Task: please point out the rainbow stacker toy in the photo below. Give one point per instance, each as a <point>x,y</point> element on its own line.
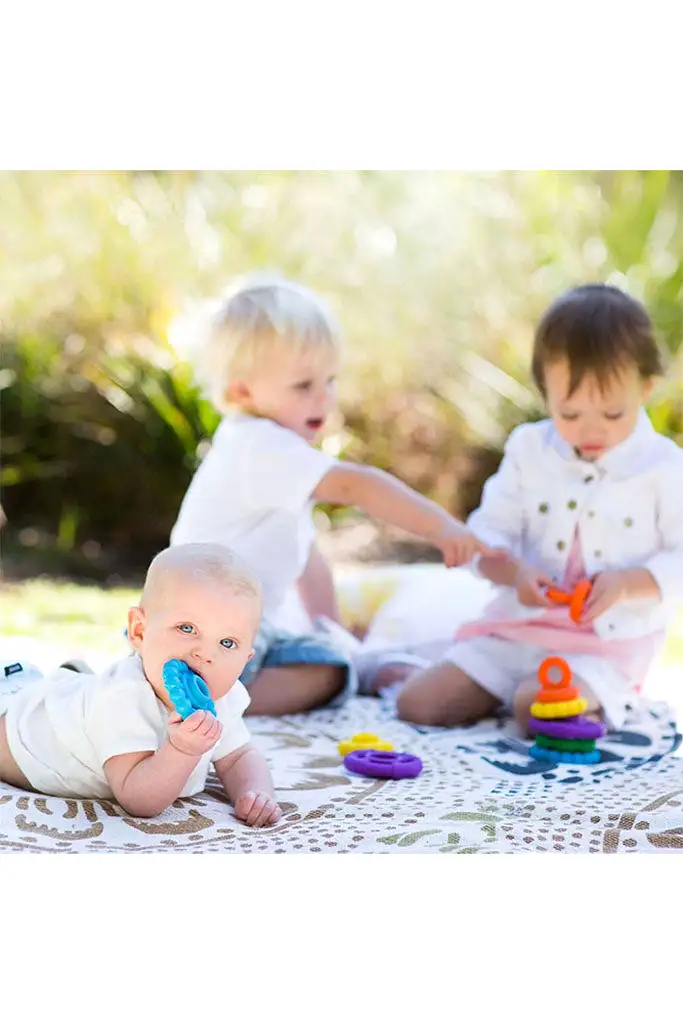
<point>561,731</point>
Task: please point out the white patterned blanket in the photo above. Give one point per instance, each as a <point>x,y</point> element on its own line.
<point>475,795</point>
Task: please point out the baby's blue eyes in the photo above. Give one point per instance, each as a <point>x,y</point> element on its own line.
<point>188,629</point>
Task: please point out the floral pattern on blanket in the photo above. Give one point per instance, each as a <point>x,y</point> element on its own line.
<point>479,793</point>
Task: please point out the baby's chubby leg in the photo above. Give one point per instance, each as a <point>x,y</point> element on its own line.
<point>9,769</point>
<point>472,678</point>
<point>288,689</point>
<point>444,695</point>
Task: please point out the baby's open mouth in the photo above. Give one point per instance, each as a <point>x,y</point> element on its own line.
<point>196,671</point>
<point>314,424</point>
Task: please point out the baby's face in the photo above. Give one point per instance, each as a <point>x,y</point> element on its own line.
<point>208,625</point>
<point>296,389</point>
<point>593,421</point>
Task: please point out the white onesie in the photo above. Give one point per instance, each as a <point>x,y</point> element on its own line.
<point>62,729</point>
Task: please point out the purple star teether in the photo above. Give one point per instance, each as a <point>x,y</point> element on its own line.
<point>383,764</point>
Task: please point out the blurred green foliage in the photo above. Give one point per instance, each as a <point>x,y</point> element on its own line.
<point>437,277</point>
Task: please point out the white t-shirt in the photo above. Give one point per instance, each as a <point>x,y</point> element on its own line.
<point>626,507</point>
<point>63,728</point>
<point>252,493</point>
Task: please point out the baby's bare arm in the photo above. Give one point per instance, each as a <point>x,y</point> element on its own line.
<point>145,783</point>
<point>247,780</point>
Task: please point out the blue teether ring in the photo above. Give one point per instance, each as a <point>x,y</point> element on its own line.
<point>187,690</point>
<point>590,757</point>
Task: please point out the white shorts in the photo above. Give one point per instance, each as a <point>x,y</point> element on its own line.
<point>499,666</point>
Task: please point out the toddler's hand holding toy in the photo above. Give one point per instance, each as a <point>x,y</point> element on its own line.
<point>530,585</point>
<point>608,588</point>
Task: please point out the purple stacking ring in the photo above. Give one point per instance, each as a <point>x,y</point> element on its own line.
<point>383,764</point>
<point>575,728</point>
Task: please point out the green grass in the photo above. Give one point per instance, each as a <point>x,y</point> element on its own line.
<point>84,615</point>
<point>66,614</point>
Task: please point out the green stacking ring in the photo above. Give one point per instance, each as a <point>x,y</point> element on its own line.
<point>550,743</point>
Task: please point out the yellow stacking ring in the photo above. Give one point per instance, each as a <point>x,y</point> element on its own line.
<point>559,709</point>
<point>363,741</point>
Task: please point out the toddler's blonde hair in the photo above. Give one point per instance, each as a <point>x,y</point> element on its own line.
<point>259,313</point>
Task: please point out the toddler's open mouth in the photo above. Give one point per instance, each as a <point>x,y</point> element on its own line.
<point>314,424</point>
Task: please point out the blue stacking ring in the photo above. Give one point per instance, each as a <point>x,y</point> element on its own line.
<point>565,756</point>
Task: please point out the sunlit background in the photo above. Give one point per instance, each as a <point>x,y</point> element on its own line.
<point>437,278</point>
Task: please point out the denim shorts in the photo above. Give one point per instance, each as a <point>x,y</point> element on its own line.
<point>274,647</point>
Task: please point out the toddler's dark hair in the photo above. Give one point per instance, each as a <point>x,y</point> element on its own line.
<point>600,331</point>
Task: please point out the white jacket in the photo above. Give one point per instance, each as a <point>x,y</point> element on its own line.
<point>628,506</point>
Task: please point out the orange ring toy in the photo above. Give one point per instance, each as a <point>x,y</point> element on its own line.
<point>547,665</point>
<point>557,595</point>
<point>578,599</point>
<point>559,691</point>
<point>559,696</point>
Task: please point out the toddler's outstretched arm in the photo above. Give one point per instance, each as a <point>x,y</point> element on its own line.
<point>247,780</point>
<point>384,497</point>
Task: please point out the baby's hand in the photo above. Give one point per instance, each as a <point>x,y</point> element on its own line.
<point>458,546</point>
<point>530,584</point>
<point>198,733</point>
<point>257,809</point>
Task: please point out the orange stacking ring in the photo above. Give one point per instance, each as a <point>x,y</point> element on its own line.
<point>557,595</point>
<point>578,599</point>
<point>552,692</point>
<point>546,667</point>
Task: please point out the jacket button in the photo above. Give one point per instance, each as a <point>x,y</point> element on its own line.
<point>598,553</point>
<point>628,522</point>
<point>543,507</point>
<point>591,514</point>
<point>561,545</point>
<point>588,479</point>
<point>571,504</point>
